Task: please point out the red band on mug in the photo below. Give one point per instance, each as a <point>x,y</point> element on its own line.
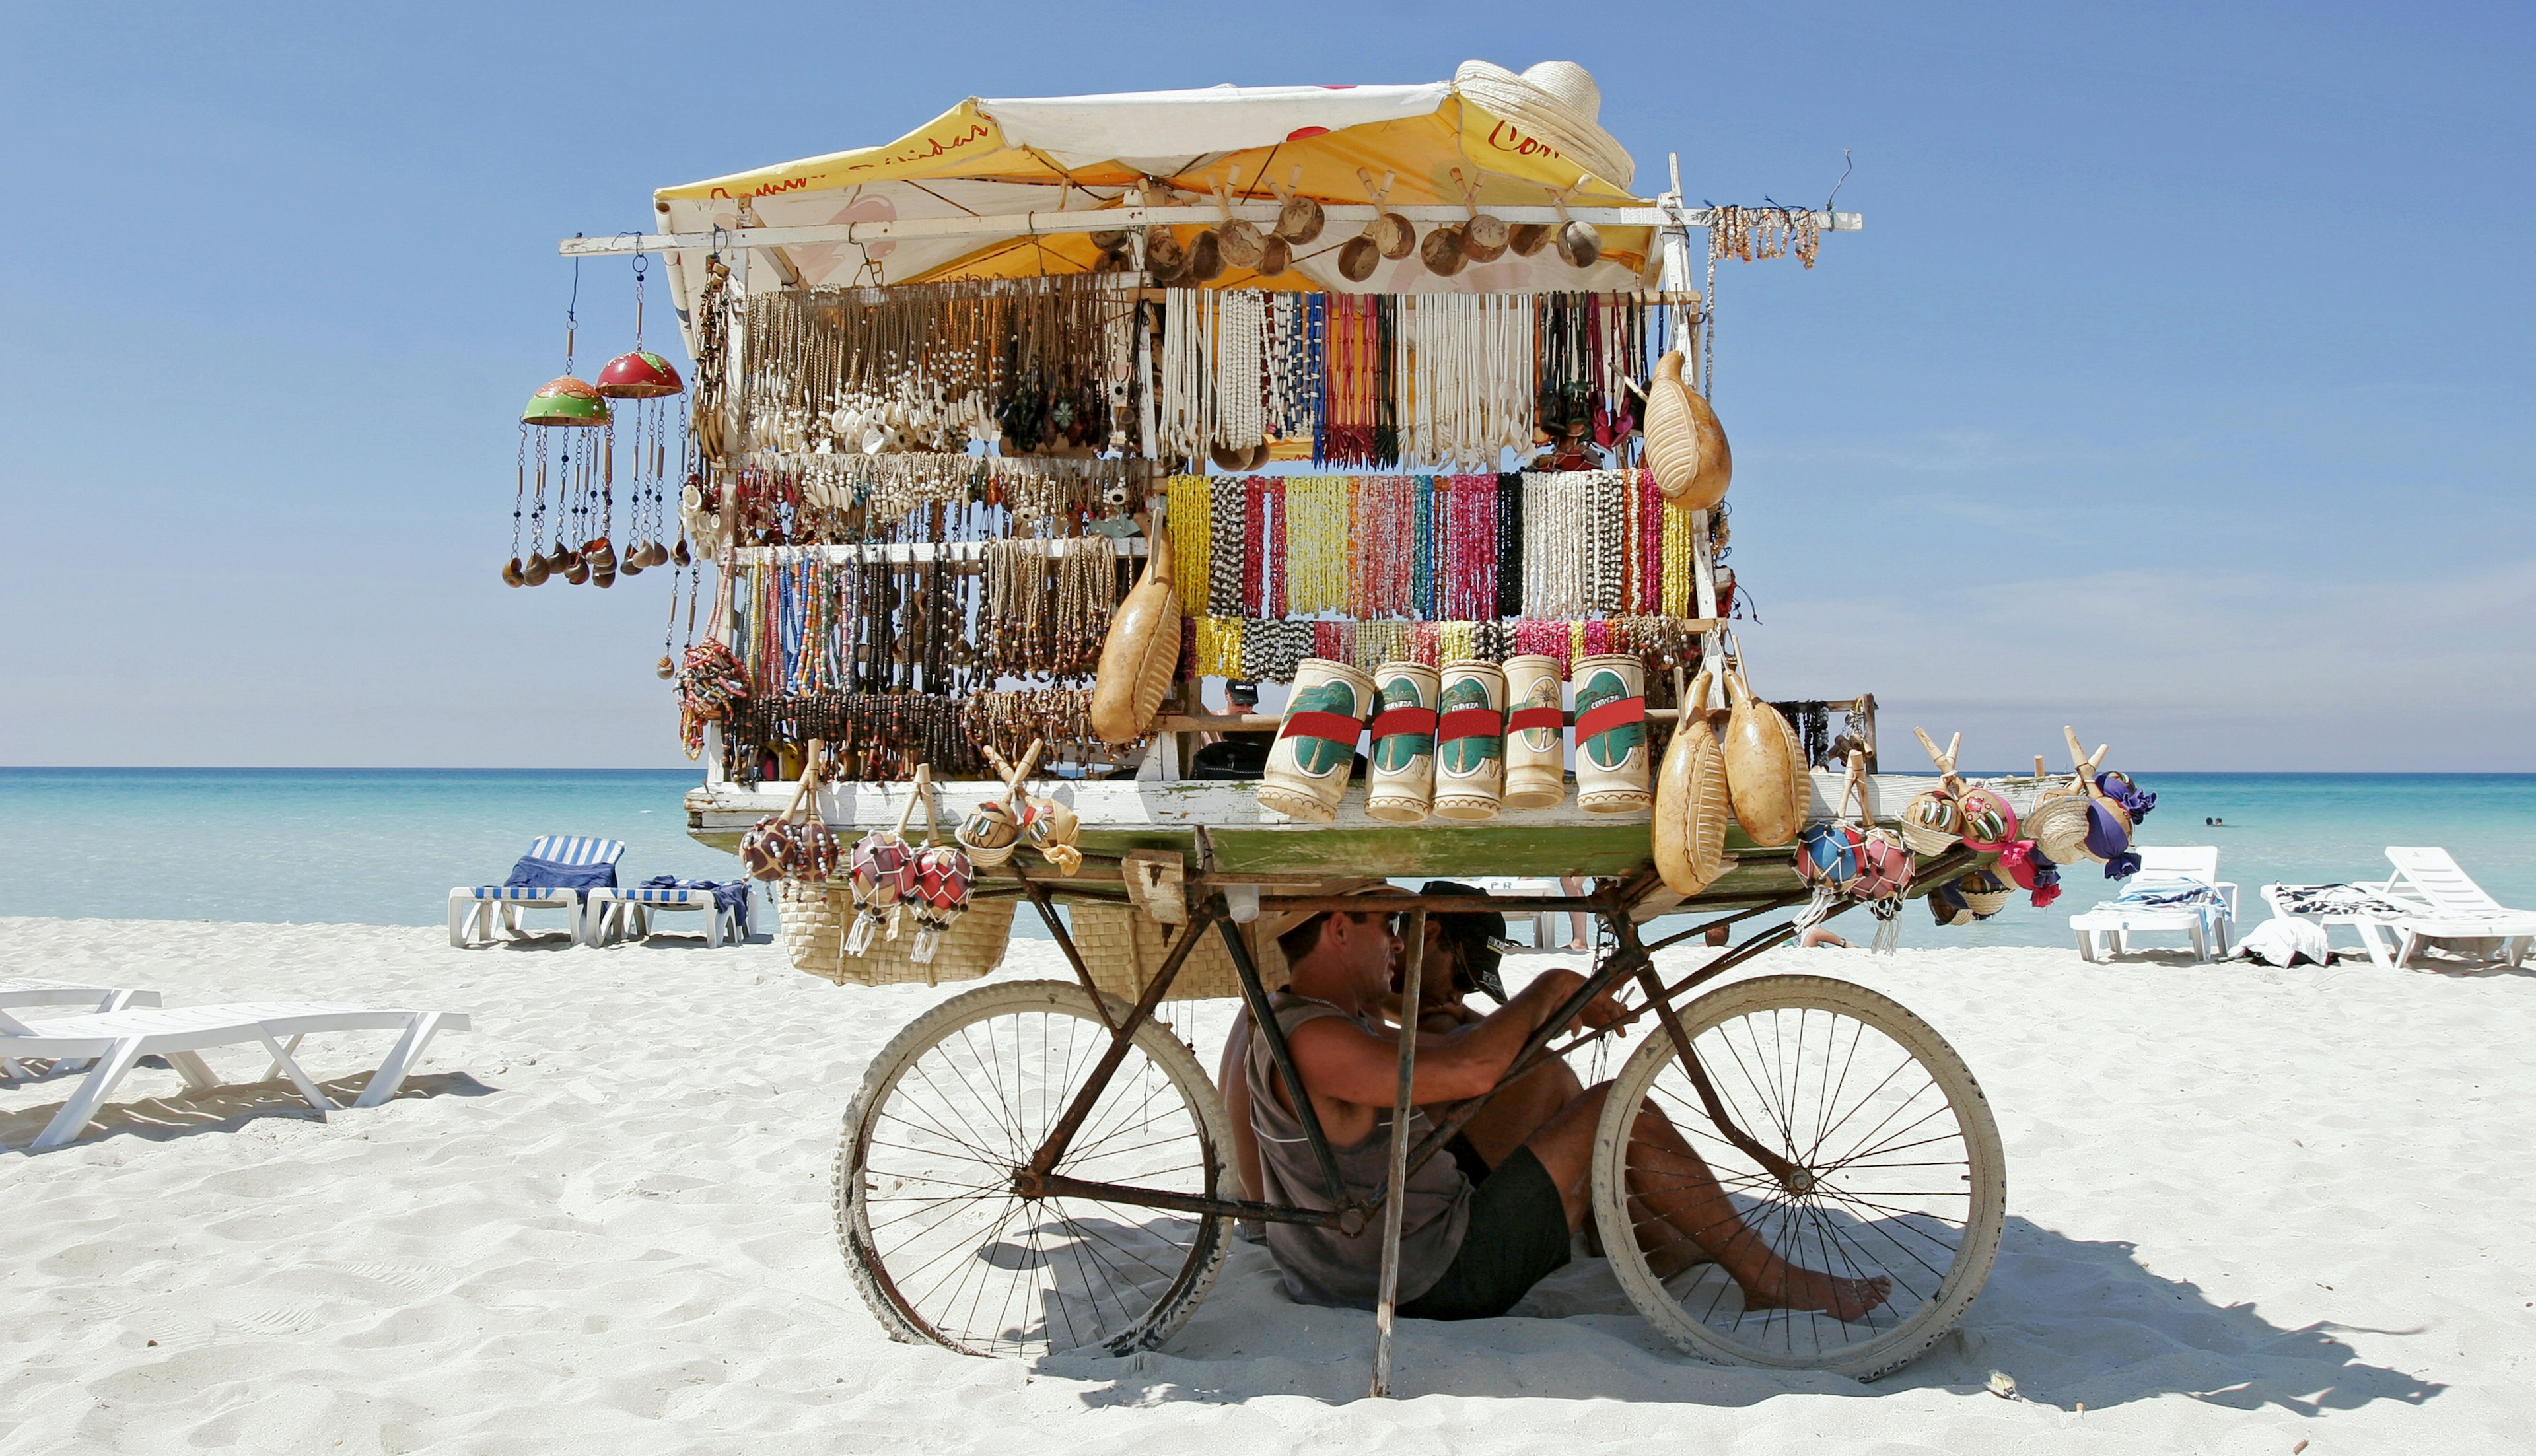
<point>1608,716</point>
<point>1535,717</point>
<point>1391,722</point>
<point>1337,728</point>
<point>1469,723</point>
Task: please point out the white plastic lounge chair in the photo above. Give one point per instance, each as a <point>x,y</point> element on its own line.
<point>615,915</point>
<point>118,1039</point>
<point>488,912</point>
<point>2455,908</point>
<point>25,995</point>
<point>2164,868</point>
<point>2364,906</point>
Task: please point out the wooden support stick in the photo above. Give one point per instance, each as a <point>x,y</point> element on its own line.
<point>1386,1310</point>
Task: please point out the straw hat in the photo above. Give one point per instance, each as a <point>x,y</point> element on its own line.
<point>1556,101</point>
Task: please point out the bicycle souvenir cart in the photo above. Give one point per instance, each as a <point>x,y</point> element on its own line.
<point>1467,496</point>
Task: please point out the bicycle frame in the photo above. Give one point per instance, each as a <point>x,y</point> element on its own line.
<point>1631,960</point>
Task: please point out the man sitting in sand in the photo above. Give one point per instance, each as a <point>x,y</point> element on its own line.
<point>1483,1225</point>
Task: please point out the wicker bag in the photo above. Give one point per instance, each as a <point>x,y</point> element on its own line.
<point>1984,893</point>
<point>817,918</point>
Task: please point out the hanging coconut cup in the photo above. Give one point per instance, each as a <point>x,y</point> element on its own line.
<point>1108,239</point>
<point>1276,255</point>
<point>1164,251</point>
<point>512,576</point>
<point>1485,237</point>
<point>1299,220</point>
<point>1240,243</point>
<point>1685,445</point>
<point>1441,251</point>
<point>639,374</point>
<point>567,402</point>
<point>1393,235</point>
<point>1527,240</point>
<point>1765,766</point>
<point>1580,243</point>
<point>1205,257</point>
<point>1357,258</point>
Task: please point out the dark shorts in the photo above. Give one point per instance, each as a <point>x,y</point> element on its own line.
<point>1517,1235</point>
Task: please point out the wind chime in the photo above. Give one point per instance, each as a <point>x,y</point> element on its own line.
<point>650,381</point>
<point>583,491</point>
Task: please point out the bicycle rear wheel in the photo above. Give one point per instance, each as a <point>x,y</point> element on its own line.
<point>1898,1175</point>
<point>941,1247</point>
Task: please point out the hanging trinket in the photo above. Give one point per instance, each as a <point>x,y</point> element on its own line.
<point>652,382</point>
<point>569,405</point>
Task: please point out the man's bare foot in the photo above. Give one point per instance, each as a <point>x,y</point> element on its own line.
<point>1793,1286</point>
<point>1578,944</point>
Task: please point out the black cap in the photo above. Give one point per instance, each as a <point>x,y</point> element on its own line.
<point>1474,935</point>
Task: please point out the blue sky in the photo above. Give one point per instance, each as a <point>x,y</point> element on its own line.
<point>2178,388</point>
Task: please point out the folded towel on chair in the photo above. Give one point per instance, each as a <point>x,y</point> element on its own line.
<point>2333,900</point>
<point>731,896</point>
<point>545,874</point>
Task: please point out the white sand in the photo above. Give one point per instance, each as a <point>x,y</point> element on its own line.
<point>2248,1207</point>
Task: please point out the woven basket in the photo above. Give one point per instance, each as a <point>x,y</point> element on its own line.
<point>2058,823</point>
<point>817,918</point>
<point>1985,894</point>
<point>1123,947</point>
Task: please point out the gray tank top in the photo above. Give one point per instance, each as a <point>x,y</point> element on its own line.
<point>1323,1266</point>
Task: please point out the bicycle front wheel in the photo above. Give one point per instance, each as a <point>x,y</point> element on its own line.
<point>1894,1178</point>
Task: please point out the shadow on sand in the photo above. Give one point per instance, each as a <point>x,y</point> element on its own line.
<point>224,1108</point>
<point>2074,1322</point>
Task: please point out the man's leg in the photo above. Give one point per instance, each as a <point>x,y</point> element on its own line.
<point>1681,1215</point>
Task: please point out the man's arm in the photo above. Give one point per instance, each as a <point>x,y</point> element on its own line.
<point>1342,1061</point>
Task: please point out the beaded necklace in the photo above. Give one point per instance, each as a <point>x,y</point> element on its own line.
<point>1317,545</point>
<point>1650,545</point>
<point>1604,508</point>
<point>1228,550</point>
<point>1421,582</point>
<point>1273,566</point>
<point>1241,317</point>
<point>1509,545</point>
<point>1470,536</point>
<point>1188,504</point>
<point>1679,590</point>
<point>1217,647</point>
<point>1271,648</point>
<point>1555,544</point>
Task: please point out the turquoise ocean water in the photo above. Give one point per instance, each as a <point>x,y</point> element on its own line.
<point>384,846</point>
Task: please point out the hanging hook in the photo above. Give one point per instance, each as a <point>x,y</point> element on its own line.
<point>571,310</point>
<point>1845,166</point>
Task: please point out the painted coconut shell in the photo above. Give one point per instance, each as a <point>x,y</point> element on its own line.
<point>639,375</point>
<point>1685,445</point>
<point>1140,654</point>
<point>566,402</point>
<point>1765,767</point>
<point>1693,806</point>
